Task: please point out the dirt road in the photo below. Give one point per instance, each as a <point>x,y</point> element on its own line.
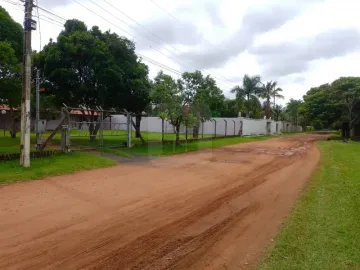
<point>214,209</point>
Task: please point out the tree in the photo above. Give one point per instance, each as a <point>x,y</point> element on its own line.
<point>347,91</point>
<point>246,95</point>
<point>230,108</point>
<point>277,112</point>
<point>266,92</point>
<point>204,98</point>
<point>11,33</point>
<point>93,69</point>
<point>170,98</point>
<point>11,46</point>
<point>293,110</point>
<point>10,82</point>
<point>320,108</point>
<point>275,93</point>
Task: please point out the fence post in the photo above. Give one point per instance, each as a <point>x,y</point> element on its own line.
<point>225,127</point>
<point>162,129</point>
<point>128,130</point>
<point>215,126</point>
<point>202,129</point>
<point>65,145</point>
<point>234,127</point>
<point>186,130</point>
<point>101,129</point>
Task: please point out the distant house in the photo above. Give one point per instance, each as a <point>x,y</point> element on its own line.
<point>5,117</point>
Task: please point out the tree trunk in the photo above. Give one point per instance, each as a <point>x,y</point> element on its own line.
<point>350,127</point>
<point>247,107</point>
<point>13,124</point>
<point>177,129</point>
<point>268,109</point>
<point>140,136</point>
<point>196,130</point>
<point>137,126</point>
<point>93,130</point>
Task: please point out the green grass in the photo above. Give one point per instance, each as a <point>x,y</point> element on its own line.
<point>12,172</point>
<point>116,151</point>
<point>323,232</point>
<point>171,149</point>
<point>81,139</point>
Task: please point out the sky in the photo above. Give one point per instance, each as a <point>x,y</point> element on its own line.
<point>298,43</point>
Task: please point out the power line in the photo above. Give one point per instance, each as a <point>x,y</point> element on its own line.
<point>121,29</point>
<point>38,16</point>
<point>50,12</point>
<point>140,25</point>
<point>156,4</point>
<point>51,20</point>
<point>133,35</point>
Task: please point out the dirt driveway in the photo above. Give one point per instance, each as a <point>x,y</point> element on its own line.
<point>214,209</point>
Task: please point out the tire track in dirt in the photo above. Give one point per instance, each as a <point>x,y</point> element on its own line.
<point>172,225</point>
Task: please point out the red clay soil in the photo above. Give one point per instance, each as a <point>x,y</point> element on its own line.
<point>213,209</point>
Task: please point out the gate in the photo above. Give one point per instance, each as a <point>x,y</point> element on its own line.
<point>89,129</point>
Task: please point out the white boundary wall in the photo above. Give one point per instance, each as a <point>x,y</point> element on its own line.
<point>250,127</point>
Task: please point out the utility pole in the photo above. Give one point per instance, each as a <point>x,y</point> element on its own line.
<point>29,25</point>
<point>37,109</point>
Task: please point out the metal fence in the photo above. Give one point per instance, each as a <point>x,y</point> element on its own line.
<point>86,129</point>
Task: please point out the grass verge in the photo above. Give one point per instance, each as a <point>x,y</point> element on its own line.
<point>171,149</point>
<point>11,171</point>
<point>323,231</point>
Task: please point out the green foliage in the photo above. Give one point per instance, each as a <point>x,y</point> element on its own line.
<point>9,75</point>
<point>203,96</point>
<point>328,105</point>
<point>230,108</point>
<point>11,33</point>
<point>246,95</point>
<point>94,68</point>
<point>169,98</point>
<point>293,110</point>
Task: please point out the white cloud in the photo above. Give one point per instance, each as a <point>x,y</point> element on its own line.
<point>222,36</point>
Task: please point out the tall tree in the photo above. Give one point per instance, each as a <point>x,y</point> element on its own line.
<point>246,94</point>
<point>293,110</point>
<point>230,108</point>
<point>277,112</point>
<point>11,46</point>
<point>204,98</point>
<point>275,92</point>
<point>346,90</point>
<point>170,98</point>
<point>266,92</point>
<point>93,68</point>
<point>12,33</point>
<point>10,82</point>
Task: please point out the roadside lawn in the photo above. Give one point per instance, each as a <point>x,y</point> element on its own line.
<point>11,171</point>
<point>81,139</point>
<point>323,231</point>
<point>171,149</point>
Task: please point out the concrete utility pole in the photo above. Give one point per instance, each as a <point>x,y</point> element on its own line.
<point>29,25</point>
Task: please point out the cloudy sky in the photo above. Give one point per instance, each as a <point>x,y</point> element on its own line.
<point>299,43</point>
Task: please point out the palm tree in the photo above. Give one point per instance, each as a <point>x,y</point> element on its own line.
<point>247,94</point>
<point>266,92</point>
<point>277,111</point>
<point>276,92</point>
